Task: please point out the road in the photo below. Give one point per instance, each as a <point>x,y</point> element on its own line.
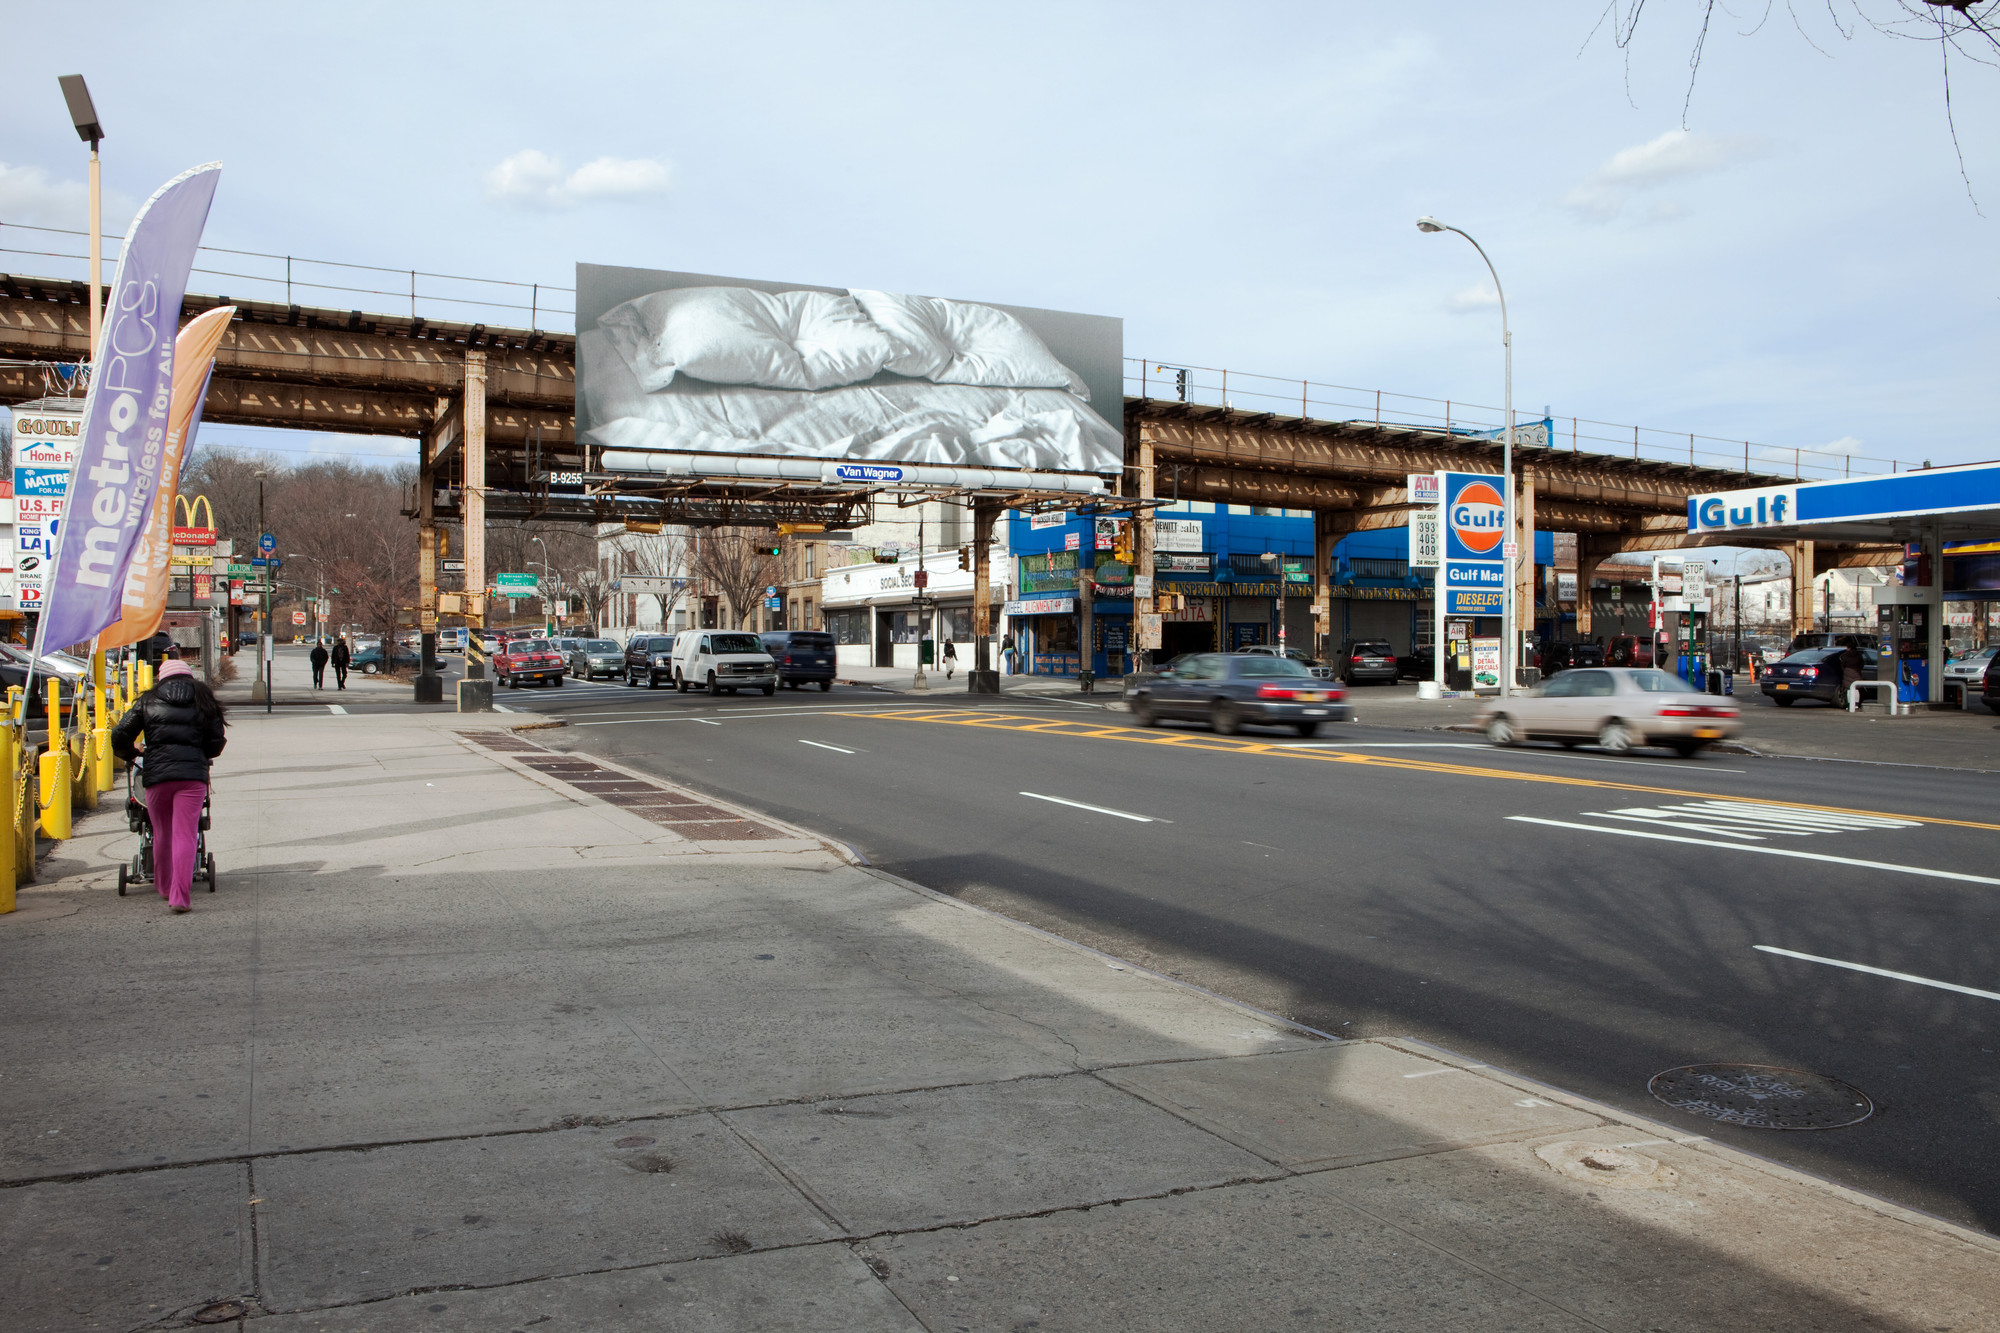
<point>1568,915</point>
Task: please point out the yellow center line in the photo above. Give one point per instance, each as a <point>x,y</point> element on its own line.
<point>1092,730</point>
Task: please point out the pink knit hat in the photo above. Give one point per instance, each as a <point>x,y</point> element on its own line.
<point>174,668</point>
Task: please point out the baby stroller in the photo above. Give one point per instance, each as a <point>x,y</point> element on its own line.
<point>140,820</point>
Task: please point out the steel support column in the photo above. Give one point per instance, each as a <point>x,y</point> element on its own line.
<point>982,679</point>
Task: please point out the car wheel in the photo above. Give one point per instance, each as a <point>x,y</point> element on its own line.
<point>714,689</point>
<point>825,685</point>
<point>652,680</point>
<point>770,690</point>
<point>1308,730</point>
<point>1783,700</point>
<point>1616,737</point>
<point>1501,731</point>
<point>680,682</point>
<point>1142,712</point>
<point>1225,718</point>
<point>370,669</point>
<point>561,681</point>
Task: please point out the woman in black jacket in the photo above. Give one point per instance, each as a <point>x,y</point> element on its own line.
<point>177,725</point>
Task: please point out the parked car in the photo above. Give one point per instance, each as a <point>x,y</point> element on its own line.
<point>1419,664</point>
<point>649,658</point>
<point>1628,650</point>
<point>14,661</point>
<point>1617,708</point>
<point>534,660</point>
<point>1229,690</point>
<point>804,657</point>
<point>1869,645</point>
<point>1814,673</point>
<point>1323,670</point>
<point>591,656</point>
<point>367,659</point>
<point>723,660</point>
<point>1362,660</point>
<point>1969,669</point>
<point>1990,692</point>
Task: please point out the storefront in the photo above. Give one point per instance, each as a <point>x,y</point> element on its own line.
<point>879,617</point>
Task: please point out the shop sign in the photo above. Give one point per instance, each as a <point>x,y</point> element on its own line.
<point>1040,606</point>
<point>1180,564</point>
<point>1565,586</point>
<point>1177,534</point>
<point>1072,541</point>
<point>1473,519</point>
<point>1486,664</point>
<point>1048,518</point>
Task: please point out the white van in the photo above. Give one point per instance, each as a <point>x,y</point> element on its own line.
<point>719,659</point>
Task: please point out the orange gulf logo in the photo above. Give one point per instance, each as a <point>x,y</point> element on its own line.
<point>1478,516</point>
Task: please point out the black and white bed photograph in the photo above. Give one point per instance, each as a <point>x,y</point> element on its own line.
<point>719,366</point>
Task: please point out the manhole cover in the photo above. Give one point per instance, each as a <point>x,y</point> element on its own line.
<point>1762,1096</point>
<point>221,1312</point>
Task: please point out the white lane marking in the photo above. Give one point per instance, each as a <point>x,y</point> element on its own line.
<point>1660,820</point>
<point>1763,851</point>
<point>706,722</point>
<point>1098,809</point>
<point>1878,971</point>
<point>337,710</point>
<point>1736,819</point>
<point>502,708</point>
<point>835,748</point>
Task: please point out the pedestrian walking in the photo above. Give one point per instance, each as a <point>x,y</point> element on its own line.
<point>950,659</point>
<point>340,658</point>
<point>1007,652</point>
<point>318,657</point>
<point>175,729</point>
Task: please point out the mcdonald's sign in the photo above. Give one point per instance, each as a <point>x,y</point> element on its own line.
<point>188,512</point>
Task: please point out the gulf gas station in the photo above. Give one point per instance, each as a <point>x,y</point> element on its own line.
<point>1940,517</point>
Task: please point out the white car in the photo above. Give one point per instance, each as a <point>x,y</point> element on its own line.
<point>1970,670</point>
<point>1615,708</point>
<point>719,660</point>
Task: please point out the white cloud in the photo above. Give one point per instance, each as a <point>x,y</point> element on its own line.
<point>1845,445</point>
<point>1472,299</point>
<point>1675,156</point>
<point>533,179</point>
<point>27,195</point>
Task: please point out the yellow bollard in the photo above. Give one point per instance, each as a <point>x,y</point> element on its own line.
<point>101,737</point>
<point>16,778</point>
<point>10,861</point>
<point>54,771</point>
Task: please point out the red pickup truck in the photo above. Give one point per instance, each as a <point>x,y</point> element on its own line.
<point>522,660</point>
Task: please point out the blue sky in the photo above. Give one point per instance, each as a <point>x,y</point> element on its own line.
<point>1800,266</point>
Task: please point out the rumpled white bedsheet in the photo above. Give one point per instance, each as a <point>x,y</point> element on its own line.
<point>889,417</point>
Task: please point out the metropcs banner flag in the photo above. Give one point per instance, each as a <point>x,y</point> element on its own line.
<point>151,571</point>
<point>125,418</point>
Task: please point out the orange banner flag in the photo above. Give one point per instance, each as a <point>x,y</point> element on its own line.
<point>146,582</point>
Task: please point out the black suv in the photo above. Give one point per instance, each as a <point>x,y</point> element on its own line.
<point>803,656</point>
<point>1989,692</point>
<point>649,658</point>
<point>1366,659</point>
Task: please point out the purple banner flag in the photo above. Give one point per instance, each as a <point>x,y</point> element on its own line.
<point>125,416</point>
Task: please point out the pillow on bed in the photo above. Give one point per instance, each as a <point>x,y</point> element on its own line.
<point>736,335</point>
<point>960,342</point>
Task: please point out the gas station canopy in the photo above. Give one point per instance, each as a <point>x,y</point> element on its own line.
<point>1946,505</point>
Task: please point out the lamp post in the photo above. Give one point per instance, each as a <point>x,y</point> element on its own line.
<point>264,628</point>
<point>84,114</point>
<point>548,572</point>
<point>1430,224</point>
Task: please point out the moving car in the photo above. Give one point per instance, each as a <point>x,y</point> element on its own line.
<point>529,660</point>
<point>1230,690</point>
<point>1311,664</point>
<point>1617,708</point>
<point>367,659</point>
<point>1366,659</point>
<point>719,660</point>
<point>591,656</point>
<point>803,656</point>
<point>1814,673</point>
<point>649,657</point>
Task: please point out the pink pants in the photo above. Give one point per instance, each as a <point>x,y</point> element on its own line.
<point>176,811</point>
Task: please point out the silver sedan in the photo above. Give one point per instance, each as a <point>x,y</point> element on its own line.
<point>1616,708</point>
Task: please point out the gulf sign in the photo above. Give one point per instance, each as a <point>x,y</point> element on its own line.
<point>1769,506</point>
<point>1475,516</point>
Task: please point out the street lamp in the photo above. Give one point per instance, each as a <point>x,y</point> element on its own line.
<point>1431,224</point>
<point>548,570</point>
<point>264,635</point>
<point>83,113</point>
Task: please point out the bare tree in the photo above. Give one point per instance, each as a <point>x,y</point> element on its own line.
<point>1962,29</point>
<point>740,564</point>
<point>661,555</point>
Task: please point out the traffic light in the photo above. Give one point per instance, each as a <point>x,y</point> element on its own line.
<point>965,557</point>
<point>772,549</point>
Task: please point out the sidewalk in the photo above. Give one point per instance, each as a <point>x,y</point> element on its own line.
<point>291,682</point>
<point>479,1035</point>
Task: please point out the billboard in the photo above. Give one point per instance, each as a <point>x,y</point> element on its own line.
<point>1473,524</point>
<point>851,386</point>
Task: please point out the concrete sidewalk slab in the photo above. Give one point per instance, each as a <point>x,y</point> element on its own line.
<point>448,1016</point>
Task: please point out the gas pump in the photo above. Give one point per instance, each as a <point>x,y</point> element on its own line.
<point>1689,649</point>
<point>1905,651</point>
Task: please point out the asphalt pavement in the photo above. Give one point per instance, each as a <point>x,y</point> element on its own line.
<point>1584,919</point>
